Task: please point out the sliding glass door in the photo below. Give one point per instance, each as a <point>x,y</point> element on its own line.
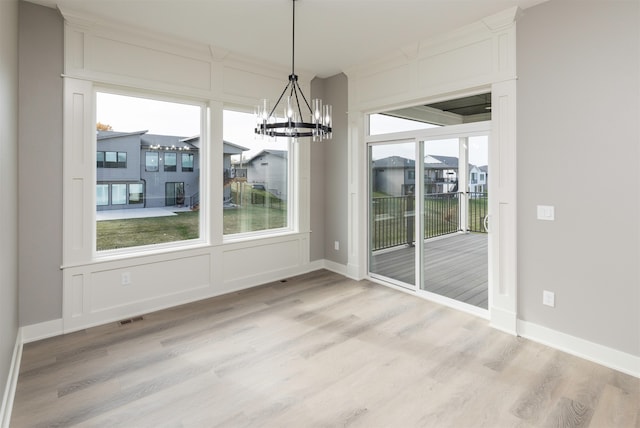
<point>443,250</point>
<point>392,187</point>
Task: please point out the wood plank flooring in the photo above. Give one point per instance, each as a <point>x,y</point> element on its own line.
<point>455,266</point>
<point>318,350</point>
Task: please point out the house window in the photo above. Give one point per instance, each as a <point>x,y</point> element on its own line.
<point>102,194</point>
<point>170,162</point>
<point>411,174</point>
<point>136,193</point>
<point>111,159</point>
<point>151,162</point>
<point>187,162</point>
<point>134,170</point>
<point>256,195</point>
<point>118,194</point>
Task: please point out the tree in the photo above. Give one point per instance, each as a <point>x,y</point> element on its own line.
<point>103,127</point>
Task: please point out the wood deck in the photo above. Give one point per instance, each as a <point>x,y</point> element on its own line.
<point>455,267</point>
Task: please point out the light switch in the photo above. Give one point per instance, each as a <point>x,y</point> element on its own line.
<point>546,212</point>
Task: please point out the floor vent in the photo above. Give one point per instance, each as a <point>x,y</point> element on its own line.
<point>130,320</point>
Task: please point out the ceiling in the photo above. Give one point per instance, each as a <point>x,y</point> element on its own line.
<point>331,35</point>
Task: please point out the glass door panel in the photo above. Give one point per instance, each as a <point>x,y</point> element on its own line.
<point>392,185</point>
<point>454,261</point>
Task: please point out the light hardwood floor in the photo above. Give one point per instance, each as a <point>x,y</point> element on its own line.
<point>318,350</point>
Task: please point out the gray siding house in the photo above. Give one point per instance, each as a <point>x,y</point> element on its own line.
<point>269,169</point>
<point>140,170</point>
<point>394,175</point>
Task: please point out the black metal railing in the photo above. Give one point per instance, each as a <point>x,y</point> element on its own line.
<point>441,214</point>
<point>478,210</point>
<point>392,217</point>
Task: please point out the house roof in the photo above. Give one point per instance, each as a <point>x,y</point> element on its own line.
<point>394,162</point>
<point>278,153</point>
<point>233,149</point>
<point>105,135</point>
<point>449,161</point>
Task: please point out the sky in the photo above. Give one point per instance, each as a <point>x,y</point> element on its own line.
<point>129,114</point>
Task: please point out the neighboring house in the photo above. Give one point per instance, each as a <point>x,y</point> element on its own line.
<point>440,174</point>
<point>230,170</point>
<point>140,170</point>
<point>394,175</point>
<point>478,178</point>
<point>268,170</point>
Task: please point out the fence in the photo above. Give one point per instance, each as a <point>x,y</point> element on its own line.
<point>392,217</point>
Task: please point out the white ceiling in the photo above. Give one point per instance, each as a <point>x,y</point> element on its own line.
<point>331,35</point>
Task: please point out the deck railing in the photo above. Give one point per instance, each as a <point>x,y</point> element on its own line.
<point>392,217</point>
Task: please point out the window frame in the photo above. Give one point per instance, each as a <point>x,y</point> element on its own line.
<point>164,162</point>
<point>293,210</point>
<point>182,167</point>
<point>146,161</point>
<point>204,237</point>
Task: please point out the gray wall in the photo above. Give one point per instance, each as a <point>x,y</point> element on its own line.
<point>8,185</point>
<point>578,137</point>
<point>329,179</point>
<point>40,164</point>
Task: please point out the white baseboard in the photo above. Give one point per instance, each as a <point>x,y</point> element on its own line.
<point>335,267</point>
<point>503,320</point>
<point>12,382</point>
<point>608,357</point>
<point>43,330</point>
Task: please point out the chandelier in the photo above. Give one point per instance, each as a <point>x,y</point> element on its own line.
<point>292,123</point>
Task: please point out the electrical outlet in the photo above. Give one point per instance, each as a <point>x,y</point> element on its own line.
<point>549,298</point>
<point>126,278</point>
<point>336,245</point>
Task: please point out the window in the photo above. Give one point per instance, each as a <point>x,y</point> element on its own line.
<point>136,192</point>
<point>111,159</point>
<point>118,194</point>
<point>187,162</point>
<point>136,160</point>
<point>151,161</point>
<point>102,194</point>
<point>255,176</point>
<point>170,162</point>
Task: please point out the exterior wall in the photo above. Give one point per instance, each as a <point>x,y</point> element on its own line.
<point>8,211</point>
<point>390,180</point>
<point>129,144</point>
<point>273,176</point>
<point>588,256</point>
<point>155,181</point>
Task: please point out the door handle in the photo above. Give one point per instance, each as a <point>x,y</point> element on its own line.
<point>485,223</point>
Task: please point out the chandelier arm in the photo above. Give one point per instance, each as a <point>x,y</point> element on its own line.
<point>298,103</point>
<point>304,98</point>
<point>279,99</point>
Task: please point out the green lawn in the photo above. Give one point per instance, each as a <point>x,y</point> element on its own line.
<point>114,234</point>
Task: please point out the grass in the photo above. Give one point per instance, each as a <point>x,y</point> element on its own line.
<point>133,232</point>
<point>268,213</point>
